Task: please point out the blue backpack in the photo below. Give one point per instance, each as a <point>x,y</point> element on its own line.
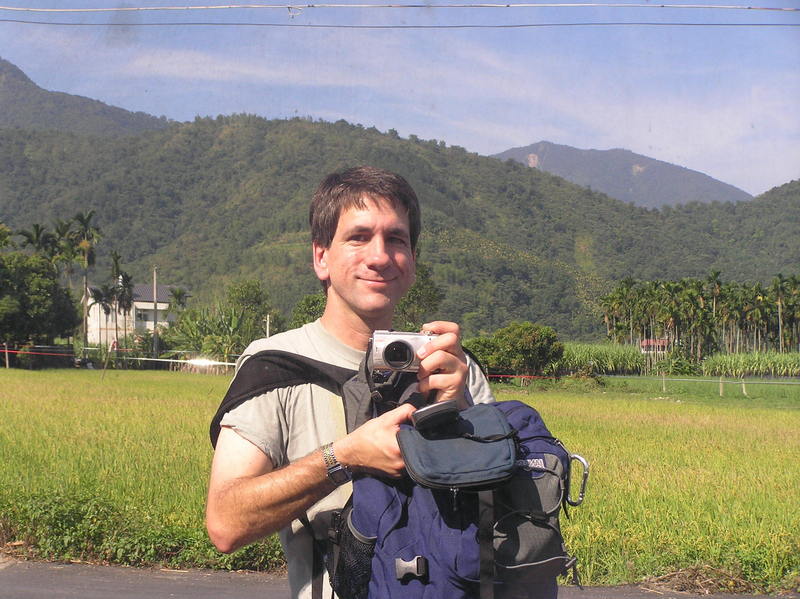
<point>461,527</point>
<point>478,515</point>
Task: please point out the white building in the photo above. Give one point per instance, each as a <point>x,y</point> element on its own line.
<point>141,318</point>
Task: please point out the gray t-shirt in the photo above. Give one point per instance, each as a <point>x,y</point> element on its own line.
<point>289,423</point>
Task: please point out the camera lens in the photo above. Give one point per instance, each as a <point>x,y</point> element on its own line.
<point>398,355</point>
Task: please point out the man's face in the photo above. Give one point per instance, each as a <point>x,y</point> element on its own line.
<point>370,264</point>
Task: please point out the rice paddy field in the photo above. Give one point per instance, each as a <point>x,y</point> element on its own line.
<point>114,469</point>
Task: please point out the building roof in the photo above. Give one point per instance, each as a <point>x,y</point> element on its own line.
<point>144,293</point>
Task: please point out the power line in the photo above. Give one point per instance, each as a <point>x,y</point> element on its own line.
<point>457,26</point>
<point>399,6</point>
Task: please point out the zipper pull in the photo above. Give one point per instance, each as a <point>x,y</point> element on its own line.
<point>454,498</point>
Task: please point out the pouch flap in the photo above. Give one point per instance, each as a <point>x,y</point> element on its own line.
<point>478,450</point>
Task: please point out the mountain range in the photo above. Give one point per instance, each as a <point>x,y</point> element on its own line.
<point>25,105</point>
<point>225,198</point>
<point>627,176</point>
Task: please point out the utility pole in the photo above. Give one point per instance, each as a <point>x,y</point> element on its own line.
<point>155,311</point>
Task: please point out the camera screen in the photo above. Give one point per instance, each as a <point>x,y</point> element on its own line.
<point>398,354</point>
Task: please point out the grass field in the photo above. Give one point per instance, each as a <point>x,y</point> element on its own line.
<point>115,470</point>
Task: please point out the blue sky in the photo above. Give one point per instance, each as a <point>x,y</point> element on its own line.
<point>721,100</point>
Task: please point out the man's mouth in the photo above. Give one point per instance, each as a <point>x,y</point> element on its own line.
<point>377,282</point>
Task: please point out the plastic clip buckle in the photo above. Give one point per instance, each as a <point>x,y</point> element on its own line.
<point>416,567</point>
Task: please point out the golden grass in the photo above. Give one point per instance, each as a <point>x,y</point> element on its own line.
<point>676,483</point>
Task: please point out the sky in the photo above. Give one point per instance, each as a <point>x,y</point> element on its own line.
<point>723,100</point>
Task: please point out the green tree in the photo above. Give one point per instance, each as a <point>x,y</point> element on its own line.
<point>33,306</point>
<point>251,299</point>
<point>779,289</point>
<point>527,348</point>
<point>87,235</point>
<point>215,332</point>
<point>519,348</point>
<point>229,326</point>
<point>308,309</point>
<point>5,236</point>
<point>178,297</point>
<point>39,239</point>
<point>125,299</point>
<point>103,297</point>
<point>66,247</point>
<point>484,349</point>
<point>116,270</point>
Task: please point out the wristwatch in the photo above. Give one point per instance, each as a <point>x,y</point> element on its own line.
<point>338,473</point>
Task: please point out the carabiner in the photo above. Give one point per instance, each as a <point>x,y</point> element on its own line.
<point>585,465</point>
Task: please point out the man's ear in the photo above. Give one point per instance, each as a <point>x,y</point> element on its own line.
<point>320,262</point>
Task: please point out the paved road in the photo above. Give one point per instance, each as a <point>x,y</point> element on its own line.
<point>39,580</point>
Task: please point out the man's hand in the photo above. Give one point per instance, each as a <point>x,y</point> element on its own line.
<point>373,447</point>
<point>443,365</point>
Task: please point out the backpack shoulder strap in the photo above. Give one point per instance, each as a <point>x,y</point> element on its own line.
<point>273,369</point>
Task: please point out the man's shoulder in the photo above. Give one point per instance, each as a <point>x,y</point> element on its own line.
<point>292,341</point>
<point>288,341</point>
<point>311,341</point>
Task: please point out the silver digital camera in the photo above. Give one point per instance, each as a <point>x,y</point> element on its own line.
<point>395,350</point>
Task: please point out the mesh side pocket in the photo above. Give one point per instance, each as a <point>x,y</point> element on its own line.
<point>352,560</point>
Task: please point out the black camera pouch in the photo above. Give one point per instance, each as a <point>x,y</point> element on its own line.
<point>477,450</point>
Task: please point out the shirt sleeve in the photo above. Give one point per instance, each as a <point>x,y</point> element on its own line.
<point>262,421</point>
<point>478,389</point>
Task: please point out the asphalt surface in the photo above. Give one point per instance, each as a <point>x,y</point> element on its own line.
<point>43,580</point>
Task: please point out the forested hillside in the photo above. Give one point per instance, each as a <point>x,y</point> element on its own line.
<point>25,105</point>
<point>218,199</point>
<point>625,175</point>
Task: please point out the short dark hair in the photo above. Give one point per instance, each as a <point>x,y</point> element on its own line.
<point>349,188</point>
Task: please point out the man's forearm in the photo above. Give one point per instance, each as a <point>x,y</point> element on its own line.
<point>260,501</point>
<point>250,508</point>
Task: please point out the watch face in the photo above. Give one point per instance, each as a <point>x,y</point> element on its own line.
<point>339,475</point>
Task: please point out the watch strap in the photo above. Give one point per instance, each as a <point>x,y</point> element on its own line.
<point>337,473</point>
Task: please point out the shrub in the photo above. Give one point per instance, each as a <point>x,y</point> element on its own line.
<point>520,348</point>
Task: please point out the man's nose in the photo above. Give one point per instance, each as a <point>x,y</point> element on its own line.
<point>378,256</point>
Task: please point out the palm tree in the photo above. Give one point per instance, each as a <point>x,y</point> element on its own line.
<point>177,299</point>
<point>125,298</point>
<point>627,294</point>
<point>66,247</point>
<point>714,288</point>
<point>779,289</point>
<point>618,309</point>
<point>40,239</point>
<point>87,235</point>
<point>757,314</point>
<point>792,314</point>
<point>115,271</point>
<point>104,297</point>
<point>671,310</point>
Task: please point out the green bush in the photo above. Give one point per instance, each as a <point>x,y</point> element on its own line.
<point>520,348</point>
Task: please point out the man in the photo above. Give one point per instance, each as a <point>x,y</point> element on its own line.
<point>274,452</point>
